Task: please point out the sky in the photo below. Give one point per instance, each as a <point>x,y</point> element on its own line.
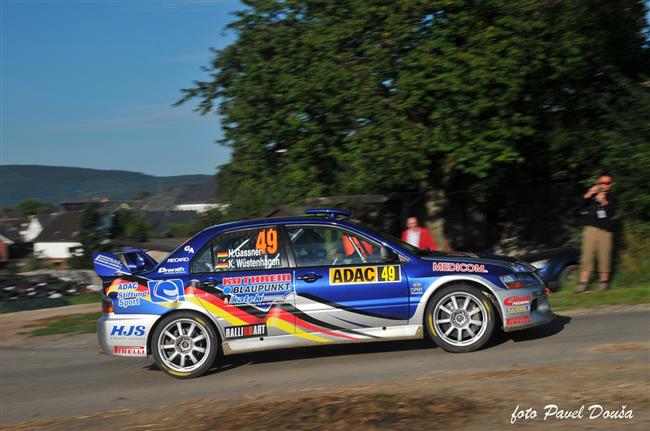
<point>90,83</point>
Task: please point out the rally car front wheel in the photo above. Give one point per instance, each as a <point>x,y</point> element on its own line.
<point>459,318</point>
<point>184,345</point>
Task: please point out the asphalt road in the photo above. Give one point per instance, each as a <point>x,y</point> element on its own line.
<point>72,379</point>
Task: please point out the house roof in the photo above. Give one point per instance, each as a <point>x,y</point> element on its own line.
<point>11,231</point>
<point>159,244</point>
<point>6,240</point>
<point>160,220</point>
<point>11,213</point>
<point>192,193</point>
<point>63,227</point>
<point>43,219</point>
<point>81,204</point>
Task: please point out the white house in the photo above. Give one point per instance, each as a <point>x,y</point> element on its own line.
<point>199,207</point>
<point>34,227</point>
<point>59,236</point>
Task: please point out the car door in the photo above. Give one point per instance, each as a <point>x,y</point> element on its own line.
<point>242,278</point>
<point>341,281</point>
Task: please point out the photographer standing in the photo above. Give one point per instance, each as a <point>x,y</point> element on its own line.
<point>598,210</point>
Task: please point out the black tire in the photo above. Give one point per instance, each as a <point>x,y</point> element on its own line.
<point>566,274</point>
<point>440,332</point>
<point>197,333</point>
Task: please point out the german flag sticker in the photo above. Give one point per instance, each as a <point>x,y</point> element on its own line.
<point>222,254</point>
<point>221,265</point>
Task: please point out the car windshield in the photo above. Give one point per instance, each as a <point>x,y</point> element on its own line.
<point>398,242</point>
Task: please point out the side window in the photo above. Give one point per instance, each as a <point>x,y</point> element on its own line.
<point>203,261</point>
<point>241,250</point>
<point>327,246</point>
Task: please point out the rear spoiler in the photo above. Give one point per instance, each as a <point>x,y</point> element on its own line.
<point>129,261</point>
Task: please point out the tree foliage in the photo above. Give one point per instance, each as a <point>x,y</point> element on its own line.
<point>31,206</point>
<point>209,218</point>
<point>485,100</point>
<point>93,236</point>
<point>126,224</point>
<point>138,229</point>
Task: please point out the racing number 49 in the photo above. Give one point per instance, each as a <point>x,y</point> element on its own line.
<point>388,273</point>
<point>267,241</point>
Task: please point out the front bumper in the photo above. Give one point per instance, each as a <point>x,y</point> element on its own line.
<point>524,308</point>
<point>125,334</point>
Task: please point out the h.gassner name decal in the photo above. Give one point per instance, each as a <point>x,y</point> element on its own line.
<point>458,267</point>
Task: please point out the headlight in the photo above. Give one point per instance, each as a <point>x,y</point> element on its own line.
<point>540,264</point>
<point>520,280</point>
<point>522,267</point>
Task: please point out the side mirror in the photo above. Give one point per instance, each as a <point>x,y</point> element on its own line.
<point>388,255</point>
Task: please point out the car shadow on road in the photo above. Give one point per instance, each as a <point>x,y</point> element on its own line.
<point>227,363</point>
<point>554,327</point>
<point>219,366</point>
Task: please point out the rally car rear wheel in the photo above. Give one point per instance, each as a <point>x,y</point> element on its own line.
<point>184,345</point>
<point>460,318</point>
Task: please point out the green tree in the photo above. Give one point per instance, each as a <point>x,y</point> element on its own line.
<point>142,195</point>
<point>209,218</point>
<point>93,236</point>
<point>180,230</point>
<point>31,206</point>
<point>119,221</point>
<point>507,105</point>
<point>128,224</point>
<point>138,229</point>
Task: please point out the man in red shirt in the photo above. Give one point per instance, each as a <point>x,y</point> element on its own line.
<point>418,236</point>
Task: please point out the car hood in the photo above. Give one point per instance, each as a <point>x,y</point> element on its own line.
<point>555,253</point>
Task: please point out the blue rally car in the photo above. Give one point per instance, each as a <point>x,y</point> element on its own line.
<point>288,282</point>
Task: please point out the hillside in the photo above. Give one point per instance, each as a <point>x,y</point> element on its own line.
<point>57,183</point>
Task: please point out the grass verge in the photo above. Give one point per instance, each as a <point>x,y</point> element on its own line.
<point>567,298</point>
<point>85,298</point>
<point>40,303</point>
<point>73,324</point>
